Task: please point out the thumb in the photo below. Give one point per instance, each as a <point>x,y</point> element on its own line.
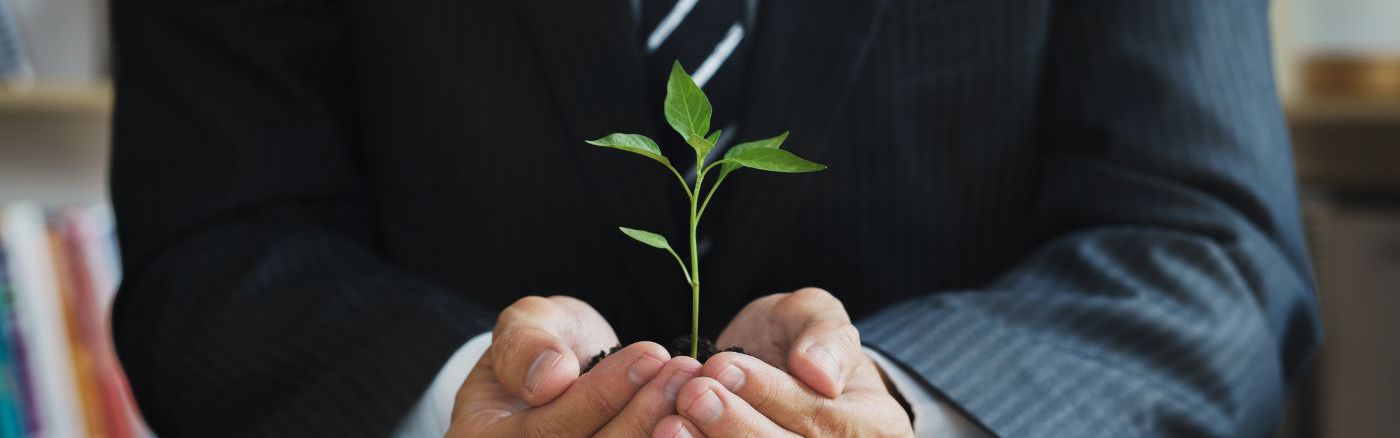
<point>825,350</point>
<point>537,344</point>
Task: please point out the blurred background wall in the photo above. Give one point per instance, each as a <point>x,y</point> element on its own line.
<point>1338,63</point>
<point>1338,66</point>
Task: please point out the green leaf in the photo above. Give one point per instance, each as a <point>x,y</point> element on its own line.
<point>687,109</point>
<point>767,143</point>
<point>634,143</point>
<point>649,238</point>
<point>772,160</point>
<point>659,242</point>
<point>702,146</point>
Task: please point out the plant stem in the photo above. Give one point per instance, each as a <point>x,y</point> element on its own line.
<point>680,178</point>
<point>695,263</point>
<point>713,188</point>
<point>684,272</point>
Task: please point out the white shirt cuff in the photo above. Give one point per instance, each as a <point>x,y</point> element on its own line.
<point>433,413</point>
<point>932,417</point>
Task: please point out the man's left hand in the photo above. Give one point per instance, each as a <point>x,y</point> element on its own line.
<point>805,374</point>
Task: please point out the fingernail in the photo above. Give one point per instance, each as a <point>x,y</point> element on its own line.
<point>706,408</point>
<point>825,360</point>
<point>732,378</point>
<point>539,368</point>
<point>682,432</point>
<point>674,385</point>
<point>643,369</point>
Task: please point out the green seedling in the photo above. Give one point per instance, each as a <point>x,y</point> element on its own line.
<point>688,111</point>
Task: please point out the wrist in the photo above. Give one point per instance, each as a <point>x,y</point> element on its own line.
<point>890,386</point>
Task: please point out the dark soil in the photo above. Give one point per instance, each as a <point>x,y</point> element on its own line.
<point>680,346</point>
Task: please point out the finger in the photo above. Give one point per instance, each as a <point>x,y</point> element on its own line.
<point>599,395</point>
<point>775,394</point>
<point>676,426</point>
<point>536,342</point>
<point>655,401</point>
<point>751,320</point>
<point>825,350</point>
<point>481,402</point>
<point>719,413</point>
<point>590,332</point>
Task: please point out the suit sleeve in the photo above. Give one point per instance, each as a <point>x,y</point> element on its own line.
<point>256,301</point>
<point>1171,294</point>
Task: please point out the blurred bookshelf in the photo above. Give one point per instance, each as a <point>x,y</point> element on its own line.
<point>1347,151</point>
<point>59,270</point>
<point>58,266</point>
<point>53,144</point>
<point>89,101</point>
<point>1348,144</point>
<point>1314,111</point>
<point>1339,64</point>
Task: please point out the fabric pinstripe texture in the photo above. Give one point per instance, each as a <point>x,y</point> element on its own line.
<point>1071,217</point>
<point>707,38</point>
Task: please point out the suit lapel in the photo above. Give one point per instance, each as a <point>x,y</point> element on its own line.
<point>806,58</point>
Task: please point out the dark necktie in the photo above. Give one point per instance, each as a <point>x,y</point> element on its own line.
<point>708,38</point>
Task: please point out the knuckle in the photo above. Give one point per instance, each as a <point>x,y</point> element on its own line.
<point>825,421</point>
<point>656,350</point>
<point>764,395</point>
<point>511,344</point>
<point>789,306</point>
<point>842,332</point>
<point>598,401</point>
<point>817,298</point>
<point>638,425</point>
<point>759,308</point>
<point>771,298</point>
<point>543,428</point>
<point>503,321</point>
<point>521,309</point>
<point>532,302</point>
<point>765,302</point>
<point>813,307</point>
<point>811,293</point>
<point>566,300</point>
<point>512,337</point>
<point>850,332</point>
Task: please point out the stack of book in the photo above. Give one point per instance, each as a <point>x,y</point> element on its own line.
<point>53,43</point>
<point>14,62</point>
<point>59,375</point>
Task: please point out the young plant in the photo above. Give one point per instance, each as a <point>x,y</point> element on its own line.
<point>688,112</point>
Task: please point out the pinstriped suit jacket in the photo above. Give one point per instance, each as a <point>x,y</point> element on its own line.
<point>1069,217</point>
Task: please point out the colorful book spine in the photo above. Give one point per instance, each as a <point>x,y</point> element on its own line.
<point>59,373</point>
<point>77,315</point>
<point>11,394</point>
<point>41,315</point>
<point>87,232</point>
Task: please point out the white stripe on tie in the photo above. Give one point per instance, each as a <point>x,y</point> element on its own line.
<point>722,50</point>
<point>673,19</point>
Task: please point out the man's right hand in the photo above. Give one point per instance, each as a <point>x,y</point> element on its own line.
<point>528,384</point>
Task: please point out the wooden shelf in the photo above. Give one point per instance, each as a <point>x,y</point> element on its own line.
<point>1349,144</point>
<point>53,143</point>
<point>1315,110</point>
<point>93,100</point>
